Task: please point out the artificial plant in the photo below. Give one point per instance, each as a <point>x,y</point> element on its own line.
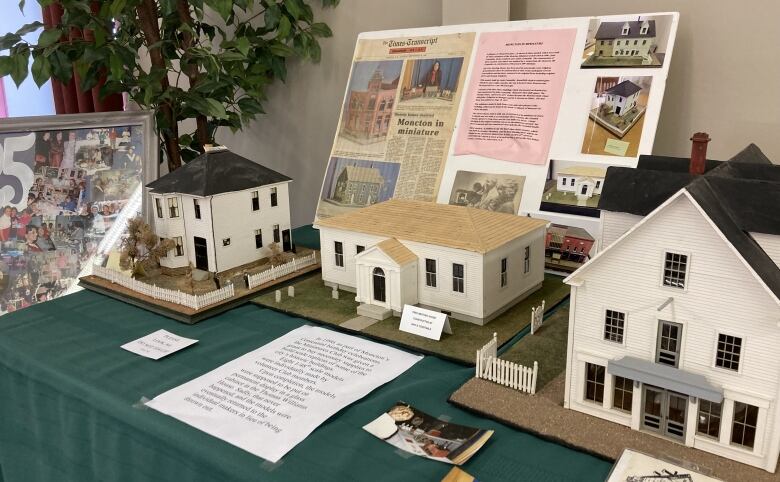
<point>229,52</point>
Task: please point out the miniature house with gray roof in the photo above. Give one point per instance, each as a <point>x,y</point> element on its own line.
<point>358,186</point>
<point>622,98</point>
<point>635,38</point>
<point>222,211</point>
<point>674,326</point>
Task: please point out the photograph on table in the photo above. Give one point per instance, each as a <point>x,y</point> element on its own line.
<point>354,183</point>
<point>630,41</point>
<point>573,187</point>
<point>68,182</point>
<point>493,192</point>
<point>616,116</point>
<point>566,248</point>
<point>430,81</point>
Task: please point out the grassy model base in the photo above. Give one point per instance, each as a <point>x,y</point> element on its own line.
<point>596,62</point>
<point>618,125</point>
<point>313,301</point>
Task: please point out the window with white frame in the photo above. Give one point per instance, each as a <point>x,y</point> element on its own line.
<point>258,238</point>
<point>728,352</point>
<point>255,201</point>
<point>173,207</point>
<point>614,326</point>
<point>430,272</point>
<point>274,197</point>
<point>527,260</point>
<point>338,249</point>
<point>743,428</point>
<point>196,205</point>
<point>503,277</point>
<point>158,205</point>
<point>675,270</point>
<point>623,394</point>
<point>178,246</point>
<point>457,278</point>
<point>594,382</point>
<point>708,422</point>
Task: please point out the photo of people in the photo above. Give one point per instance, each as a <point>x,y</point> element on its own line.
<point>493,192</point>
<point>80,181</point>
<point>353,183</point>
<point>630,41</point>
<point>430,80</point>
<point>616,117</point>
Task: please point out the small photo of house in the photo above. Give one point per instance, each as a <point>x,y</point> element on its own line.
<point>566,248</point>
<point>574,187</point>
<point>430,81</point>
<point>631,41</point>
<point>368,105</point>
<point>616,116</point>
<point>355,183</point>
<point>493,192</point>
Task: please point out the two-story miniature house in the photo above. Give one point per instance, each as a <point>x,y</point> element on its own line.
<point>674,327</point>
<point>470,263</point>
<point>222,211</point>
<point>621,98</point>
<point>636,38</point>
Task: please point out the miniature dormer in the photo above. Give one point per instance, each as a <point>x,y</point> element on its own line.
<point>625,30</point>
<point>644,27</point>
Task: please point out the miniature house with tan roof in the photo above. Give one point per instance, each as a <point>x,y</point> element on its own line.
<point>472,264</point>
<point>582,181</point>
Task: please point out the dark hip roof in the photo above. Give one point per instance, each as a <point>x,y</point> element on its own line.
<point>614,30</point>
<point>216,172</point>
<point>624,89</point>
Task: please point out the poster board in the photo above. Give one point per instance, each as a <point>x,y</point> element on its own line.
<point>604,114</point>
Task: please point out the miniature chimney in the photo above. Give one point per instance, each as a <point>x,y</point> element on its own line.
<point>699,153</point>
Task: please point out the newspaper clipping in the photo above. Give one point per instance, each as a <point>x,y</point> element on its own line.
<point>396,122</point>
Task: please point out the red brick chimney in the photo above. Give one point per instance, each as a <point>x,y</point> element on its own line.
<point>699,153</point>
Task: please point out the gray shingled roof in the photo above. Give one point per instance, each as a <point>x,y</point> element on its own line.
<point>216,172</point>
<point>624,89</point>
<point>614,30</point>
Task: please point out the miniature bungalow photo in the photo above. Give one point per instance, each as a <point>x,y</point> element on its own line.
<point>573,187</point>
<point>627,42</point>
<point>616,116</point>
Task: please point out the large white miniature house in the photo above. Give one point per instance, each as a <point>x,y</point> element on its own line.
<point>674,327</point>
<point>621,98</point>
<point>636,38</point>
<point>471,263</point>
<point>582,181</point>
<point>222,211</point>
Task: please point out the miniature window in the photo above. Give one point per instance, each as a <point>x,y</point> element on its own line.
<point>225,241</point>
<point>276,233</point>
<point>675,270</point>
<point>158,204</point>
<point>564,181</point>
<point>338,248</point>
<point>258,238</point>
<point>743,429</point>
<point>274,198</point>
<point>527,260</point>
<point>729,351</point>
<point>457,277</point>
<point>196,205</point>
<point>255,201</point>
<point>644,42</point>
<point>503,272</point>
<point>614,326</point>
<point>709,418</point>
<point>594,382</point>
<point>623,394</point>
<point>598,184</point>
<point>359,249</point>
<point>165,254</point>
<point>430,272</point>
<point>668,345</point>
<point>173,207</point>
<point>179,247</point>
<point>571,183</point>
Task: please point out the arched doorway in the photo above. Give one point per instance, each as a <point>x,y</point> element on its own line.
<point>379,285</point>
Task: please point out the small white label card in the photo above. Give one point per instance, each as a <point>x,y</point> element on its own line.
<point>423,322</point>
<point>158,344</point>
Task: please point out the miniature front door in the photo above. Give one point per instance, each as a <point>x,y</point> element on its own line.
<point>286,240</point>
<point>664,412</point>
<point>201,253</point>
<point>617,110</point>
<point>378,279</point>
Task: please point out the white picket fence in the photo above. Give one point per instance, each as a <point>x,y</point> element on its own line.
<point>537,318</point>
<point>276,272</point>
<point>195,302</point>
<point>503,372</point>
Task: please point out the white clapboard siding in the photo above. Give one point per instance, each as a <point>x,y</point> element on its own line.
<point>614,225</point>
<point>195,302</point>
<point>277,272</point>
<point>503,372</point>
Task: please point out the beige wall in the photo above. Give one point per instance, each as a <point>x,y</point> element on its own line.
<point>725,67</point>
<point>296,135</point>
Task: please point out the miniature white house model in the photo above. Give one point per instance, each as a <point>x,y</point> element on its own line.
<point>674,328</point>
<point>222,211</point>
<point>626,39</point>
<point>472,264</point>
<point>583,181</point>
<point>622,97</point>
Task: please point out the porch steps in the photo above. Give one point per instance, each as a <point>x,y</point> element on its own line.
<point>372,311</point>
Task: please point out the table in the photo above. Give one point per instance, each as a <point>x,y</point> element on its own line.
<point>70,407</point>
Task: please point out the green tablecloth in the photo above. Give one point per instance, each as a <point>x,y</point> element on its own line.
<point>69,407</point>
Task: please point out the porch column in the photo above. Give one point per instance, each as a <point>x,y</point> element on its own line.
<point>691,422</point>
<point>636,406</point>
